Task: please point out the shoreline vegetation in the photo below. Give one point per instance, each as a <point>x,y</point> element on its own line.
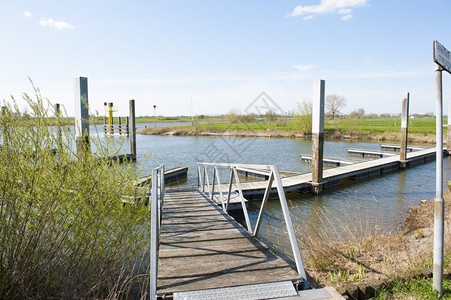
<point>381,265</point>
<point>421,131</point>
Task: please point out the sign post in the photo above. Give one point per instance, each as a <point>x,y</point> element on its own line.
<point>442,58</point>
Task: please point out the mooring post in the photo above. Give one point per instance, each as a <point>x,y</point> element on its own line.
<point>318,135</point>
<point>81,116</point>
<point>404,130</point>
<point>119,124</point>
<point>448,136</point>
<point>132,129</point>
<point>127,126</point>
<point>3,126</point>
<point>110,117</point>
<point>58,127</point>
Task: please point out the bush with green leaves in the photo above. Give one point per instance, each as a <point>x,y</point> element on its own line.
<point>64,229</point>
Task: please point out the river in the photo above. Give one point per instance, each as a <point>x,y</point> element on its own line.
<point>352,208</point>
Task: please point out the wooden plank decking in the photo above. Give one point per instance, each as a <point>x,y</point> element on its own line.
<point>355,171</point>
<point>201,247</point>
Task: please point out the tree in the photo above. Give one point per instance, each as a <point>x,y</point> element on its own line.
<point>270,116</point>
<point>303,117</point>
<point>358,113</point>
<point>233,115</point>
<point>334,103</point>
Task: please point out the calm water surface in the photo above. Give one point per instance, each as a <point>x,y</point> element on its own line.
<point>377,203</point>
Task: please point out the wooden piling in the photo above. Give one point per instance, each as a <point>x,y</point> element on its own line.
<point>58,127</point>
<point>318,135</point>
<point>81,116</point>
<point>132,129</point>
<point>404,129</point>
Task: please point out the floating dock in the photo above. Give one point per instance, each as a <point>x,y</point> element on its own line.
<point>332,177</point>
<point>332,161</point>
<point>170,175</point>
<point>397,148</point>
<point>369,153</point>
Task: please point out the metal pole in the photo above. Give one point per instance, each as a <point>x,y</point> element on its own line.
<point>154,116</point>
<point>243,203</point>
<point>448,136</point>
<point>437,283</point>
<point>154,231</point>
<point>265,199</point>
<point>404,129</point>
<point>290,228</point>
<point>132,129</point>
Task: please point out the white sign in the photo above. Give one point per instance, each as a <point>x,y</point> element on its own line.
<point>442,56</point>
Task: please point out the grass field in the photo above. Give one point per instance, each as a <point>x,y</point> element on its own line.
<point>420,126</point>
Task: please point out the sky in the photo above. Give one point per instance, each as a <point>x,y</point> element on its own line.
<point>210,57</point>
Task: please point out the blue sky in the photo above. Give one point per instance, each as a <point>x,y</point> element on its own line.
<point>223,54</point>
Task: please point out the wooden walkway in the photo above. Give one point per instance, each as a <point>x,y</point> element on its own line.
<point>332,176</point>
<point>201,247</point>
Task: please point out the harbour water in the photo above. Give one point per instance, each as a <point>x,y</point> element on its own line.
<point>352,208</point>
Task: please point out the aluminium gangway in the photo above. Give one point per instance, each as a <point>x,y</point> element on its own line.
<point>199,252</point>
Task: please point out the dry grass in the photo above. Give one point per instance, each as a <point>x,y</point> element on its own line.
<point>380,255</point>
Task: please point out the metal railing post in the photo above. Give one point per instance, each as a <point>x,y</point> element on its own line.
<point>198,175</point>
<point>264,201</point>
<point>203,179</point>
<point>220,189</point>
<point>208,179</point>
<point>290,228</point>
<point>230,189</point>
<point>212,194</point>
<point>157,199</point>
<point>154,228</point>
<point>243,204</point>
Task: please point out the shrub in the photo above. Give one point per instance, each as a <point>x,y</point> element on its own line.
<point>64,231</point>
<point>303,117</point>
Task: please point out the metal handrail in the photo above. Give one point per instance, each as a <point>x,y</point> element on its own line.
<point>273,178</point>
<point>157,200</point>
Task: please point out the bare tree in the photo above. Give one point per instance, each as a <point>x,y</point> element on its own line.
<point>334,103</point>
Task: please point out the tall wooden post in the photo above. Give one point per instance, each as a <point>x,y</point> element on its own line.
<point>132,129</point>
<point>404,130</point>
<point>59,135</point>
<point>318,135</point>
<point>3,125</point>
<point>81,116</point>
<point>127,126</point>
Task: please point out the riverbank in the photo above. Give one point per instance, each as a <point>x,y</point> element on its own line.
<point>379,259</point>
<point>284,133</point>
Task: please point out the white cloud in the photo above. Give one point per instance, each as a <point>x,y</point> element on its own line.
<point>27,14</point>
<point>346,17</point>
<point>309,17</point>
<point>342,7</point>
<point>60,25</point>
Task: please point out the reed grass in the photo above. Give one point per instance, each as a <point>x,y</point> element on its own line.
<point>64,232</point>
